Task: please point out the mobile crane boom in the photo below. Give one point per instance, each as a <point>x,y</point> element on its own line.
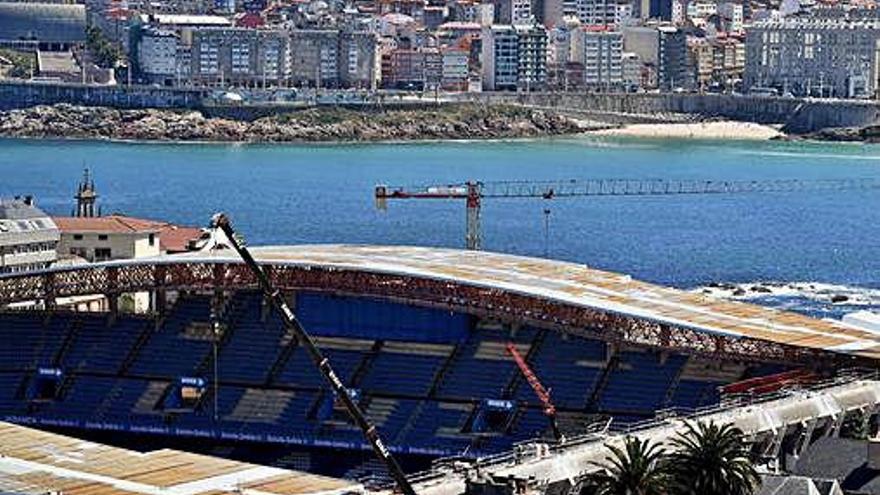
<point>221,221</point>
<point>542,393</point>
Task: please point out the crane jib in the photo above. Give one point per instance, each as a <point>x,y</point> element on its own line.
<point>475,191</point>
<point>220,221</point>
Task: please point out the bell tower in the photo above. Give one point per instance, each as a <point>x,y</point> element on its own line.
<point>86,196</point>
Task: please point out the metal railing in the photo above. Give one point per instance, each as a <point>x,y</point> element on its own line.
<point>601,431</point>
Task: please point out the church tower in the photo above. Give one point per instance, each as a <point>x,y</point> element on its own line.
<point>86,196</point>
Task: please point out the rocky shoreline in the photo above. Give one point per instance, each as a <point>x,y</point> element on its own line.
<point>869,134</point>
<point>312,125</point>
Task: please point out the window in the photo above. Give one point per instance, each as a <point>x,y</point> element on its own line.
<point>102,254</point>
<point>102,237</point>
<point>77,237</point>
<point>152,239</point>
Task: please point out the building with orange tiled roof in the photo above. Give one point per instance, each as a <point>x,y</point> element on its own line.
<point>122,237</point>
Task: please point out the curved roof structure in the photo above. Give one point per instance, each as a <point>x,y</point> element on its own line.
<point>44,22</point>
<point>580,285</point>
<point>35,462</point>
<point>526,289</point>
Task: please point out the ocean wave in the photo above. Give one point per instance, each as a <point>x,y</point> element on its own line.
<point>811,298</point>
<point>807,154</point>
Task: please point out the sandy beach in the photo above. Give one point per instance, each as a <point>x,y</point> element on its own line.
<point>700,130</point>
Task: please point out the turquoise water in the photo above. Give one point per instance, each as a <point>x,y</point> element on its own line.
<point>323,193</point>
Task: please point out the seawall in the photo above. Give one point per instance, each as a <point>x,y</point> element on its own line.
<point>21,95</point>
<point>795,115</point>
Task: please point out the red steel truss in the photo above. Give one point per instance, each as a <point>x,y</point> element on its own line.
<point>503,305</point>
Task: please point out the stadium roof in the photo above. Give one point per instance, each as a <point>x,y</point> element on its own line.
<point>34,462</point>
<point>45,22</point>
<point>578,285</point>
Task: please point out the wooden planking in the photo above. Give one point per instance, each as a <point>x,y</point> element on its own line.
<point>65,464</point>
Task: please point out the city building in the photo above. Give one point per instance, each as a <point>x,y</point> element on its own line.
<point>47,26</point>
<point>455,69</point>
<point>731,14</point>
<point>500,58</point>
<point>404,68</point>
<point>118,237</point>
<point>161,45</point>
<point>818,55</point>
<point>515,12</point>
<point>653,9</point>
<point>559,56</point>
<point>631,66</point>
<point>598,12</point>
<point>239,57</point>
<point>701,9</point>
<point>28,237</point>
<point>333,58</point>
<point>514,57</point>
<point>663,50</point>
<point>600,51</point>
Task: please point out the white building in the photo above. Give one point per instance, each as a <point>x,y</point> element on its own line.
<point>821,55</point>
<point>597,12</point>
<point>600,50</point>
<point>115,237</point>
<point>679,11</point>
<point>157,54</point>
<point>632,70</point>
<point>241,56</point>
<point>28,237</point>
<point>521,12</point>
<point>701,9</point>
<point>732,15</point>
<point>514,57</point>
<point>455,70</point>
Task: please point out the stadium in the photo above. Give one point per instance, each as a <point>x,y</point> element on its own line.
<point>419,336</point>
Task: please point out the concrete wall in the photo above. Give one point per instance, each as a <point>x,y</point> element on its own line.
<point>795,114</point>
<point>21,95</point>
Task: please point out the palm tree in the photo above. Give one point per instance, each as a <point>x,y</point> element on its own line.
<point>712,460</point>
<point>637,469</point>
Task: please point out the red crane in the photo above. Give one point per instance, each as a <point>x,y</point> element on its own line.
<point>473,192</point>
<point>542,393</point>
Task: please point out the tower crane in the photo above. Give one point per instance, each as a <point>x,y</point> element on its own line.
<point>473,192</point>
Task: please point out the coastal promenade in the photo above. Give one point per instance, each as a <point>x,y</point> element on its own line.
<point>792,115</point>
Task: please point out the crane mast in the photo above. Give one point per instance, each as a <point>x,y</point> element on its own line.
<point>221,221</point>
<point>473,192</point>
<point>542,393</point>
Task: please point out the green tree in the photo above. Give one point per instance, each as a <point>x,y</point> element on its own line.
<point>637,469</point>
<point>105,53</point>
<point>23,63</point>
<point>712,460</point>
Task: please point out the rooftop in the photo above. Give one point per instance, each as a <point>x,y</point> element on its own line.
<point>34,462</point>
<point>192,20</point>
<point>48,22</point>
<point>172,238</point>
<point>19,209</point>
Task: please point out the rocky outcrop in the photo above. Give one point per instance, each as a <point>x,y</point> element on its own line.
<point>867,134</point>
<point>459,122</point>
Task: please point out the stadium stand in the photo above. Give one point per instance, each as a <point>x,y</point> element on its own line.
<point>434,382</point>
